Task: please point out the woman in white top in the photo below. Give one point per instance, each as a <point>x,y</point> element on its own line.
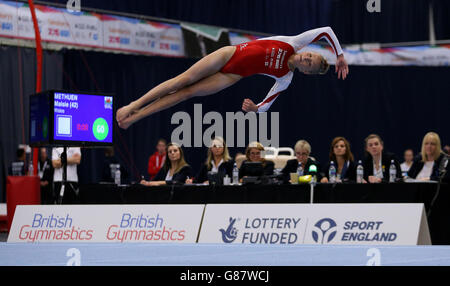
<point>427,165</point>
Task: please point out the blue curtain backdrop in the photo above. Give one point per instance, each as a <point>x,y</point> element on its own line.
<point>401,104</point>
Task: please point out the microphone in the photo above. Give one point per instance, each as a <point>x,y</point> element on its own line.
<point>313,172</point>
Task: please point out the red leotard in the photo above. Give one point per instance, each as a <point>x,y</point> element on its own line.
<point>260,57</point>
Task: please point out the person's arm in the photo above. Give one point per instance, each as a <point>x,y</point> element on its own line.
<point>153,183</point>
<point>158,180</point>
<point>311,36</point>
<point>280,85</point>
<point>75,159</point>
<point>56,160</point>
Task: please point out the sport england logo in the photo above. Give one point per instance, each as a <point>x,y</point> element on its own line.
<point>230,234</point>
<point>324,230</point>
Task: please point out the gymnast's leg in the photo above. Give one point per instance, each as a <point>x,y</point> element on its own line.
<point>205,67</point>
<point>209,85</point>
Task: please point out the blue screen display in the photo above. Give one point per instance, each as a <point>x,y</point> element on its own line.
<point>83,117</point>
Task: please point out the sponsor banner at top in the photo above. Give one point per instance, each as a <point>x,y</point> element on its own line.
<point>106,223</point>
<point>117,33</point>
<point>380,224</point>
<point>58,25</point>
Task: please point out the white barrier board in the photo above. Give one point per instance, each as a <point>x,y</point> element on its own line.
<point>106,223</point>
<point>377,224</point>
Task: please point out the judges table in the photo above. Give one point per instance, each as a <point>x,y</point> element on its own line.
<point>439,219</point>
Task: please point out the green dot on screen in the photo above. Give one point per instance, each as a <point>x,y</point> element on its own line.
<point>100,129</point>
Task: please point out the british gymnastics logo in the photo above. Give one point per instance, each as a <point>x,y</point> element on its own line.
<point>230,234</point>
<point>324,230</point>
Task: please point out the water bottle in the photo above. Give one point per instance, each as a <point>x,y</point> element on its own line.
<point>117,175</point>
<point>359,173</point>
<point>235,175</point>
<point>300,169</point>
<point>332,173</point>
<point>30,169</point>
<point>392,172</point>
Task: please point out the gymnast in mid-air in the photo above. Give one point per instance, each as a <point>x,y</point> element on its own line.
<point>276,57</point>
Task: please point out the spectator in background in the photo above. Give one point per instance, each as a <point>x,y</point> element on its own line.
<point>18,167</point>
<point>377,161</point>
<point>408,157</point>
<point>302,151</point>
<point>71,191</point>
<point>175,169</point>
<point>427,164</point>
<point>156,161</point>
<point>342,157</point>
<point>218,161</point>
<point>45,172</point>
<point>253,154</point>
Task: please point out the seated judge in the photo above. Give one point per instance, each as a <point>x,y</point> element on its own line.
<point>175,169</point>
<point>429,163</point>
<point>342,157</point>
<point>377,161</point>
<point>302,151</point>
<point>217,161</point>
<point>253,154</point>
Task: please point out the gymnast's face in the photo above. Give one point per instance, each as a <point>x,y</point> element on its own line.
<point>307,62</point>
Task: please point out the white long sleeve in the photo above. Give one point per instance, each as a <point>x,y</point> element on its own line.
<point>280,85</point>
<point>305,38</point>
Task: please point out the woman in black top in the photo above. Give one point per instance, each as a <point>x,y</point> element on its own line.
<point>302,151</point>
<point>377,161</point>
<point>253,154</point>
<point>342,157</point>
<point>218,161</point>
<point>429,164</point>
<point>175,169</point>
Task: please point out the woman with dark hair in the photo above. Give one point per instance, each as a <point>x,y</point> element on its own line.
<point>342,157</point>
<point>378,161</point>
<point>175,169</point>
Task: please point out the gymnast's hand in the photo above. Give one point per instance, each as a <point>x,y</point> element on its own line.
<point>248,106</point>
<point>341,67</point>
